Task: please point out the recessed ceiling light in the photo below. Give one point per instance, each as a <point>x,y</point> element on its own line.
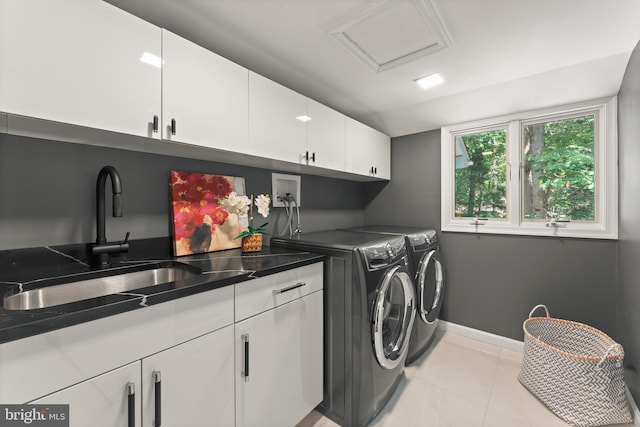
<point>430,81</point>
<point>303,118</point>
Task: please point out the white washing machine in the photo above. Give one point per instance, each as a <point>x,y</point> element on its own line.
<point>425,261</point>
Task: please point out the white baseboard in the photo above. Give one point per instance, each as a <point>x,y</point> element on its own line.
<point>513,345</point>
<point>482,336</point>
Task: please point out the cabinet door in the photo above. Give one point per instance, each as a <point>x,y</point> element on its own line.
<point>205,94</point>
<point>79,62</point>
<point>275,128</point>
<point>368,151</point>
<point>282,349</point>
<point>196,383</point>
<point>326,137</point>
<point>381,154</point>
<point>102,401</point>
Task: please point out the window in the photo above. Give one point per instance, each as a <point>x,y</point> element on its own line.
<point>551,172</point>
<point>558,168</point>
<point>481,174</point>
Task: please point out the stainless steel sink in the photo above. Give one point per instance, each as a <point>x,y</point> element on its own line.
<point>87,286</point>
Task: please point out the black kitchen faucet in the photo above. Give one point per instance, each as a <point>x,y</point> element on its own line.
<point>101,248</point>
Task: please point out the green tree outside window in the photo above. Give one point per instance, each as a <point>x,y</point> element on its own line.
<point>481,180</point>
<point>559,170</point>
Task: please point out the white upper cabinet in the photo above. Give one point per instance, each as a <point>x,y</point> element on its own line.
<point>204,96</point>
<point>326,137</point>
<point>91,64</point>
<point>284,125</point>
<point>80,62</point>
<point>368,151</point>
<point>276,126</point>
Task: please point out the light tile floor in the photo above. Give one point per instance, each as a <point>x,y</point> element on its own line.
<point>460,382</point>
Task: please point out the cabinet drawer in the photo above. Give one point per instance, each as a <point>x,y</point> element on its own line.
<point>262,294</point>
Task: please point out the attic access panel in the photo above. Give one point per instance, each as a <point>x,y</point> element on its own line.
<point>390,33</point>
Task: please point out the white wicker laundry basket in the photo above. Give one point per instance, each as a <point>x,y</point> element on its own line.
<point>575,370</point>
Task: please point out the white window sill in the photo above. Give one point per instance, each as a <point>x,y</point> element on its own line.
<point>572,230</point>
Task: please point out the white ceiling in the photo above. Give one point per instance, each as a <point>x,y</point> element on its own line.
<point>496,56</point>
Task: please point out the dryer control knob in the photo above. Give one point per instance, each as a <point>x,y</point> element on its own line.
<point>390,250</point>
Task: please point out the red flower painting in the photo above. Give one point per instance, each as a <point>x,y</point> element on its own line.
<point>200,224</point>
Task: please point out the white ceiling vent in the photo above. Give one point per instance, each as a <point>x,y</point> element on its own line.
<point>388,33</point>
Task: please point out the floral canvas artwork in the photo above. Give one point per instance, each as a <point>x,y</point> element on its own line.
<point>202,219</point>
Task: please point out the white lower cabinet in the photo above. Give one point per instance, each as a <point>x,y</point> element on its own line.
<point>103,401</point>
<point>190,385</point>
<point>279,352</point>
<point>243,355</point>
<point>279,360</point>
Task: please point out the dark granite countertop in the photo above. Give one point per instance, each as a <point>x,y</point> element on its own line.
<point>24,269</point>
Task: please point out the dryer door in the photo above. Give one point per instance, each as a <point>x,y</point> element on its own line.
<point>394,312</point>
<point>430,279</point>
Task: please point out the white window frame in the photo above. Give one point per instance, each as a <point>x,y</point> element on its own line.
<point>606,152</point>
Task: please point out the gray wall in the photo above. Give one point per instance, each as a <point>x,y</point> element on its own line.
<point>628,296</point>
<point>47,193</point>
<point>493,281</point>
